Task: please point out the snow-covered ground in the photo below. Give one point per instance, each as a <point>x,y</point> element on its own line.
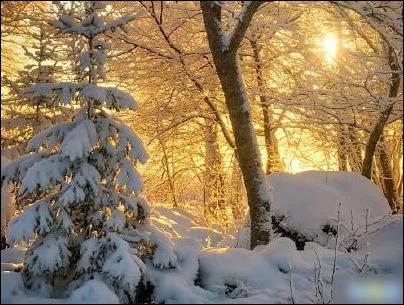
<point>212,267</point>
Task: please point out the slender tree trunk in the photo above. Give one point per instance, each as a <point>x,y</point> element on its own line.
<point>376,174</point>
<point>397,157</point>
<point>227,67</point>
<point>91,77</point>
<point>388,176</point>
<point>166,161</point>
<point>214,180</point>
<point>274,163</point>
<point>377,131</point>
<point>237,198</point>
<point>355,157</point>
<point>37,126</point>
<point>168,172</point>
<point>341,149</point>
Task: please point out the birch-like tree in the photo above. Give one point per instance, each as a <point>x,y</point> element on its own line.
<point>224,45</point>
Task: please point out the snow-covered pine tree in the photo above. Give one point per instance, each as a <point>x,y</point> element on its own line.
<point>86,219</point>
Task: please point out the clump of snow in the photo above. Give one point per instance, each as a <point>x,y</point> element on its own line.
<point>129,176</point>
<point>173,286</point>
<point>164,256</point>
<point>35,218</point>
<point>17,170</point>
<point>44,174</point>
<point>79,141</point>
<point>52,134</point>
<point>122,270</point>
<point>93,292</point>
<point>48,255</point>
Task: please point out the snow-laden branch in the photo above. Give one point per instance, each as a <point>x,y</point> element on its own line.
<point>91,26</point>
<point>65,93</point>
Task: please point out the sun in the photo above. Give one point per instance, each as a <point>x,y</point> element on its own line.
<point>329,45</point>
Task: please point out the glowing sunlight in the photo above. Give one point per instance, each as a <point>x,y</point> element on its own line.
<point>329,45</point>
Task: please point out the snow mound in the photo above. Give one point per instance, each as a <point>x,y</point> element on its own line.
<point>308,201</point>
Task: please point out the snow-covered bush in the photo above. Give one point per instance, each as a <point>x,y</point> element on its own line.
<point>305,208</point>
<point>305,205</point>
<point>86,219</point>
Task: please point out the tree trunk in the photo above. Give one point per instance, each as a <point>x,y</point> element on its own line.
<point>214,180</point>
<point>355,157</point>
<point>377,131</point>
<point>168,171</point>
<point>91,76</point>
<point>388,176</point>
<point>166,161</point>
<point>237,198</point>
<point>376,174</point>
<point>397,156</point>
<point>227,67</point>
<point>341,149</point>
<point>274,163</point>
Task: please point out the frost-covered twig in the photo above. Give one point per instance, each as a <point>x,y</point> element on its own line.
<point>365,260</point>
<point>352,260</point>
<point>317,279</point>
<point>291,284</point>
<point>335,251</point>
<point>352,227</point>
<point>366,220</point>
